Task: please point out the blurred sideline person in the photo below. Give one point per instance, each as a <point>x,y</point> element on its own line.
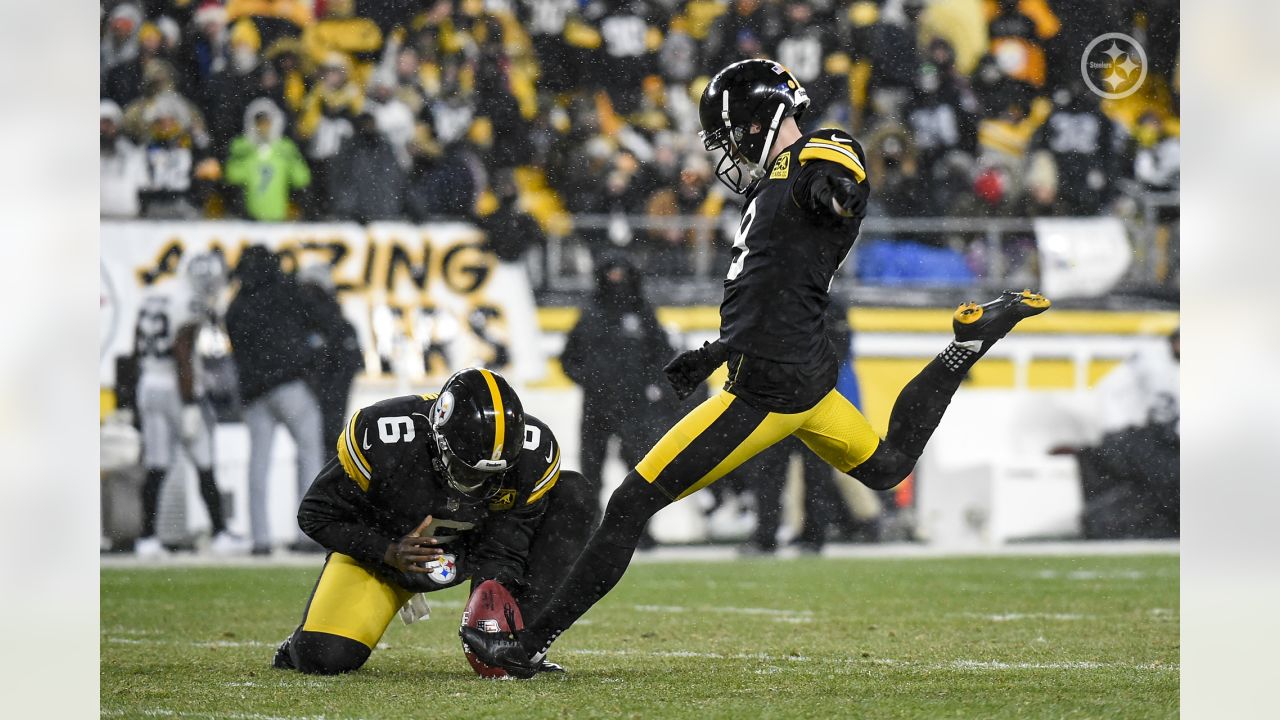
<point>425,492</point>
<point>806,196</point>
<point>1130,478</point>
<point>271,340</point>
<point>615,353</point>
<point>170,396</point>
<point>339,357</point>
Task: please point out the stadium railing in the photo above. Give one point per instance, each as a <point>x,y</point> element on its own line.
<point>904,260</point>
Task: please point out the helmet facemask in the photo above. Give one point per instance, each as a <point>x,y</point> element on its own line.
<point>741,111</point>
<point>474,481</point>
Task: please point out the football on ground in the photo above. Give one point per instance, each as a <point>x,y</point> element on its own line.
<point>491,609</point>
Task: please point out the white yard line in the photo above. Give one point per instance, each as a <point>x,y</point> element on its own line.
<point>724,553</point>
<point>951,665</point>
<point>1011,616</point>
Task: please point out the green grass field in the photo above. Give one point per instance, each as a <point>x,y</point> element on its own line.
<point>999,637</point>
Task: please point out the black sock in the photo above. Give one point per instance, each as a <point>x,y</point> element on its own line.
<point>602,563</point>
<point>212,500</point>
<point>151,500</point>
<point>920,405</point>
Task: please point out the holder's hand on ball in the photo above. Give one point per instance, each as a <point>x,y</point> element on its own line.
<point>413,552</point>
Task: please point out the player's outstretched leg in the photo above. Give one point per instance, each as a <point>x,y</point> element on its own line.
<point>920,405</point>
<point>596,571</point>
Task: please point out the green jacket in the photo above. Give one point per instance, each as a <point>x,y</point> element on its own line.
<point>267,173</point>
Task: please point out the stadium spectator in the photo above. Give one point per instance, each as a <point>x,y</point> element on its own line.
<point>283,77</point>
<point>961,23</point>
<point>238,84</point>
<point>123,83</point>
<point>122,165</point>
<point>940,111</point>
<point>158,79</point>
<point>266,165</point>
<point>1077,140</point>
<point>616,353</point>
<point>204,54</point>
<point>738,29</point>
<point>394,118</point>
<point>441,180</point>
<point>805,47</point>
<point>272,340</point>
<point>1016,31</point>
<point>178,168</point>
<point>366,182</point>
<point>339,30</point>
<point>274,19</point>
<point>884,61</point>
<point>510,231</point>
<point>120,41</point>
<point>327,119</point>
<point>678,56</point>
<point>1157,157</point>
<point>891,157</point>
<point>630,40</point>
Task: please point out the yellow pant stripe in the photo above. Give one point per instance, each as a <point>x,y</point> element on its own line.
<point>682,434</point>
<point>833,428</point>
<point>352,602</point>
<point>774,428</point>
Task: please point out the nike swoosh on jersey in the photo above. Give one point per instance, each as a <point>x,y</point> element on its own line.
<point>839,139</point>
<point>364,443</point>
<point>550,452</point>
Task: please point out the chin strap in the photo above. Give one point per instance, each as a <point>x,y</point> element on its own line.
<point>768,140</point>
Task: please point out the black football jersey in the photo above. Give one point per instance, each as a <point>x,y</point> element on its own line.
<point>787,250</point>
<point>388,485</point>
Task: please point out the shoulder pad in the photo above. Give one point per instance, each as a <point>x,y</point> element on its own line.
<point>835,146</point>
<point>539,460</point>
<point>376,436</point>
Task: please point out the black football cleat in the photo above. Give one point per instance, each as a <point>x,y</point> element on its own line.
<point>991,321</point>
<point>282,660</point>
<point>546,666</point>
<point>500,650</point>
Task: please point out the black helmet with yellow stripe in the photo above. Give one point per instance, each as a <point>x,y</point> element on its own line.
<point>478,424</point>
<point>740,112</point>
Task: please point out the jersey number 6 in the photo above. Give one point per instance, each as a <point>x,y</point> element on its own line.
<point>389,429</point>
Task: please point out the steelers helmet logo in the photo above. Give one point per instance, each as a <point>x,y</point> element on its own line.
<point>443,409</point>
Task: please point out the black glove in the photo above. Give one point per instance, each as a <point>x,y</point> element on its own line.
<point>847,199</point>
<point>690,368</point>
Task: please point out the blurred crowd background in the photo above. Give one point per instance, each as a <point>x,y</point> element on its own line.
<point>581,114</point>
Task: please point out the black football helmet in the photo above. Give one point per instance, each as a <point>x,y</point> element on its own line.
<point>740,111</point>
<point>478,424</point>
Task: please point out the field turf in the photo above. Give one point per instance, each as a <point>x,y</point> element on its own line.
<point>996,637</point>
